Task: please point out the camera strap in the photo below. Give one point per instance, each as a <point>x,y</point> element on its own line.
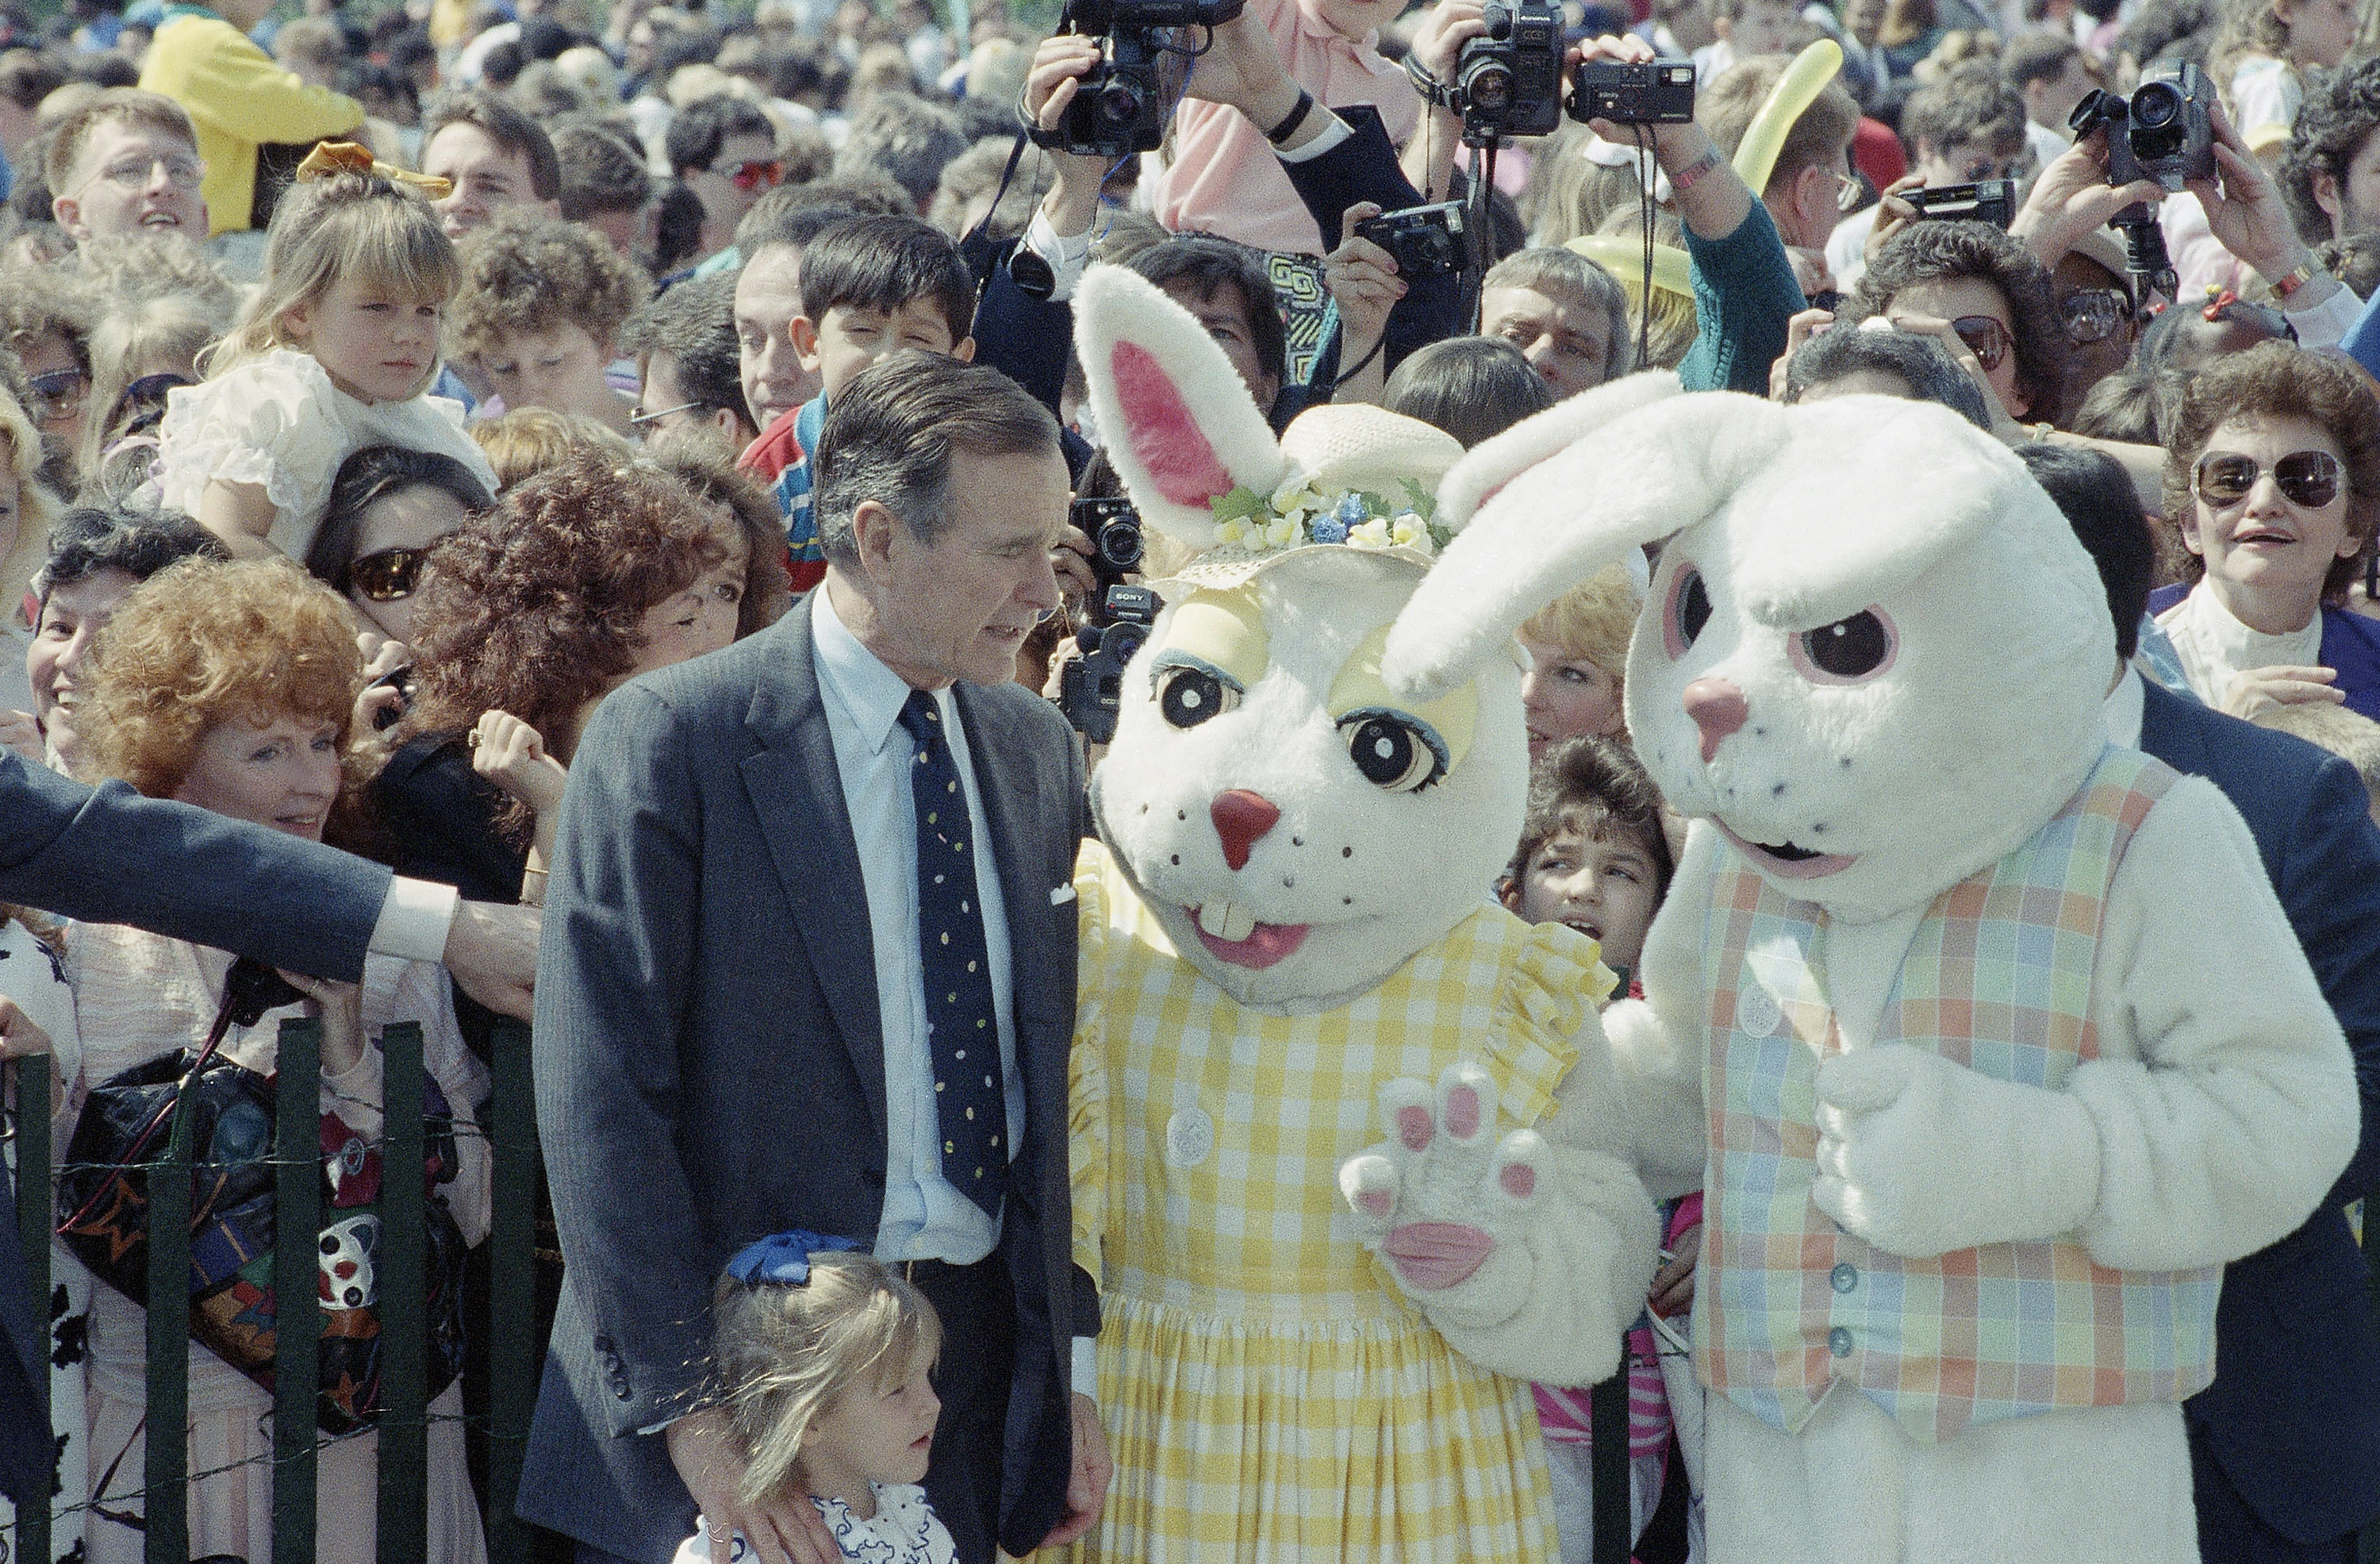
<point>979,240</point>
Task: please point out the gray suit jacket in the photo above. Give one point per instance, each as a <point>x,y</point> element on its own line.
<point>710,1063</point>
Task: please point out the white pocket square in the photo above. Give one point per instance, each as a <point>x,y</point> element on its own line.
<point>1060,894</point>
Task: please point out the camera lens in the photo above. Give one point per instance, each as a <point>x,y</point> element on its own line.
<point>1119,544</point>
<point>1120,102</point>
<point>2154,106</point>
<point>1489,89</point>
<point>1122,643</point>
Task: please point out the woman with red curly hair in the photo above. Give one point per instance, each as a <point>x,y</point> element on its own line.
<point>231,687</point>
<point>585,576</point>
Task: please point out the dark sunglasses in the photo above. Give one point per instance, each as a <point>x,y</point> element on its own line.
<point>1985,338</point>
<point>757,172</point>
<point>384,577</point>
<point>2305,478</point>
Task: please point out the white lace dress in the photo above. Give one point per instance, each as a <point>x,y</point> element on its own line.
<point>278,422</point>
<point>904,1529</point>
<point>138,995</point>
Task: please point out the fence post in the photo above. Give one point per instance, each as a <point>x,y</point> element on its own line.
<point>164,1487</point>
<point>1615,1530</point>
<point>32,1085</point>
<point>511,1285</point>
<point>297,1285</point>
<point>400,1270</point>
<point>2368,1544</point>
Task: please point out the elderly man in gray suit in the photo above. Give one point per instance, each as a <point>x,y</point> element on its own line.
<point>809,910</point>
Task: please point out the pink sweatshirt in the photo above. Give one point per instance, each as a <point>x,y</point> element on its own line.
<point>1225,179</point>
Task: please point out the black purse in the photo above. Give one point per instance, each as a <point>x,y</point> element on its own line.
<point>103,1201</point>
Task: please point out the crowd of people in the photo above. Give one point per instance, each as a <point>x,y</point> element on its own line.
<point>383,392</point>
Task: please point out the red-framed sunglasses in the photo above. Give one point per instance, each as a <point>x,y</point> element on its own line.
<point>759,173</point>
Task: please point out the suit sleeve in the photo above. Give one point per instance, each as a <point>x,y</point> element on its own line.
<point>111,856</point>
<point>2330,888</point>
<point>1026,338</point>
<point>615,984</point>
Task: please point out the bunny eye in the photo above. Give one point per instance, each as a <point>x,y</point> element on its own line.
<point>1395,752</point>
<point>1689,610</point>
<point>1189,695</point>
<point>1847,651</point>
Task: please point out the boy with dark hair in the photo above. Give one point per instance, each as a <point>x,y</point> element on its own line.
<point>723,150</point>
<point>604,180</point>
<point>870,287</point>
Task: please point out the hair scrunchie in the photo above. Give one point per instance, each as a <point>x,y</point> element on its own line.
<point>784,1258</point>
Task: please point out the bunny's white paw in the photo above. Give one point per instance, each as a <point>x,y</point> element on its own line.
<point>1529,1258</point>
<point>1920,1157</point>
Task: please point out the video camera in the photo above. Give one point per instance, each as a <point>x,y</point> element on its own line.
<point>1120,105</point>
<point>1508,82</point>
<point>2163,132</point>
<point>1090,688</point>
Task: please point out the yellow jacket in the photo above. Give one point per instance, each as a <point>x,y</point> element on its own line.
<point>240,100</point>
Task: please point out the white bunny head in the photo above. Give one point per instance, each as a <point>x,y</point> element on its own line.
<point>1296,829</point>
<point>1874,655</point>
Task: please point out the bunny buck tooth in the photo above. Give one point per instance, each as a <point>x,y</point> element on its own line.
<point>1210,917</point>
<point>1238,922</point>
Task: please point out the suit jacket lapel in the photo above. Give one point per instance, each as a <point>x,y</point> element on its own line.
<point>796,790</point>
<point>1008,778</point>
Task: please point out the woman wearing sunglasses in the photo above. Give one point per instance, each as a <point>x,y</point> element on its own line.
<point>1993,294</point>
<point>2273,475</point>
<point>389,505</point>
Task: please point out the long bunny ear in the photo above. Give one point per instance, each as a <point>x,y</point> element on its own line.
<point>1491,464</point>
<point>1179,424</point>
<point>1642,476</point>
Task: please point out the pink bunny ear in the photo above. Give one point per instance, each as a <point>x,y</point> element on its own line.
<point>1177,421</point>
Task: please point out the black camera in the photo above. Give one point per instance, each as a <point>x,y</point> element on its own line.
<point>1993,202</point>
<point>1113,527</point>
<point>1656,92</point>
<point>1508,82</point>
<point>1090,689</point>
<point>1426,240</point>
<point>1120,105</point>
<point>2162,132</point>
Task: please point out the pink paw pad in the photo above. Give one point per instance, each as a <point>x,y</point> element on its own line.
<point>1520,1181</point>
<point>1413,1128</point>
<point>1462,1112</point>
<point>1374,1203</point>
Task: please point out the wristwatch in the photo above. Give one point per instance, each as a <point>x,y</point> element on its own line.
<point>1429,87</point>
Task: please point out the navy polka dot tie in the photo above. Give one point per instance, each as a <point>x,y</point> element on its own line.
<point>960,1029</point>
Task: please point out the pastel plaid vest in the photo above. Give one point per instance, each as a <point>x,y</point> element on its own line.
<point>1999,977</point>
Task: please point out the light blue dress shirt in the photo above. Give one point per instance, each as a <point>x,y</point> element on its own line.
<point>925,1216</point>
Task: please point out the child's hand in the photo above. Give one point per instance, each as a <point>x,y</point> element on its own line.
<point>511,753</point>
<point>1673,1284</point>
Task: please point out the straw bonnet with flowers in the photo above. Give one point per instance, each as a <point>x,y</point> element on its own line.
<point>1285,937</point>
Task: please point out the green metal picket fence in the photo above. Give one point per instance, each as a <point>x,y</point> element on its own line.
<point>510,1320</point>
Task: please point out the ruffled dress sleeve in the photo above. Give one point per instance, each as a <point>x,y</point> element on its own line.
<point>1551,990</point>
<point>274,422</point>
<point>1087,1074</point>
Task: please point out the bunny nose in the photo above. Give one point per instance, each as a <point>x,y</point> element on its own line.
<point>1718,708</point>
<point>1241,818</point>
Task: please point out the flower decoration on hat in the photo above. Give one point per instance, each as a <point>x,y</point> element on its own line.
<point>1297,516</point>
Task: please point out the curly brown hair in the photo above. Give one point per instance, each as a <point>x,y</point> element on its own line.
<point>204,642</point>
<point>523,273</point>
<point>534,607</point>
<point>704,460</point>
<point>2278,380</point>
<point>1928,251</point>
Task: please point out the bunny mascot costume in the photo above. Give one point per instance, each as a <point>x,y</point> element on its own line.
<point>1286,931</point>
<point>1988,1040</point>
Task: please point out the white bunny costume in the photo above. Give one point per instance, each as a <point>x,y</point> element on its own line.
<point>1988,1040</point>
<point>1286,931</point>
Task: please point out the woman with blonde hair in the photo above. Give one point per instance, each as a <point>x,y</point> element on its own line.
<point>335,351</point>
<point>229,686</point>
<point>140,353</point>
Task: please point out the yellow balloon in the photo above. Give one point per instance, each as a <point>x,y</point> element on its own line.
<point>1756,155</point>
<point>1624,258</point>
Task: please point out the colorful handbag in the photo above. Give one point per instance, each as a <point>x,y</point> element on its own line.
<point>103,1202</point>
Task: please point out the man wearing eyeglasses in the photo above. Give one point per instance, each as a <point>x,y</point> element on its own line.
<point>725,152</point>
<point>126,162</point>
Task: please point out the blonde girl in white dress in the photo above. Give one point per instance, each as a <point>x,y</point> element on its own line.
<point>337,351</point>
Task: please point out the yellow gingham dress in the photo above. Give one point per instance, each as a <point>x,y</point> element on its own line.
<point>1268,1393</point>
